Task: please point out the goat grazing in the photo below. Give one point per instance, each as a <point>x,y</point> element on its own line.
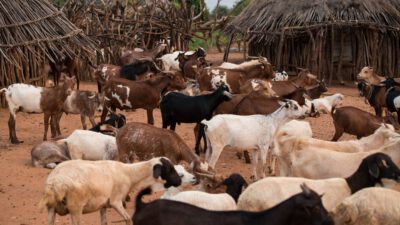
<point>77,187</point>
<point>301,209</point>
<point>31,99</point>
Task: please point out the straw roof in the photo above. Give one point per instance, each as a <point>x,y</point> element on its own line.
<point>37,28</point>
<point>265,20</point>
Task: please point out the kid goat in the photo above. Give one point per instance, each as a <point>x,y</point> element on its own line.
<point>31,99</point>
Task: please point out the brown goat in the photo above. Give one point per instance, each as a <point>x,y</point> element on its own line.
<point>211,77</point>
<point>72,66</point>
<point>375,95</point>
<point>130,57</point>
<point>303,79</point>
<point>31,99</point>
<point>146,141</point>
<point>125,94</point>
<point>354,121</point>
<point>316,91</point>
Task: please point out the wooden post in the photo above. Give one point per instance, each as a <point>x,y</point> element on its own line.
<point>339,71</point>
<point>332,55</point>
<point>280,48</point>
<point>228,47</point>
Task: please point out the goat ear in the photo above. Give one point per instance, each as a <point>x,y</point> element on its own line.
<point>373,170</point>
<point>306,190</point>
<point>157,171</point>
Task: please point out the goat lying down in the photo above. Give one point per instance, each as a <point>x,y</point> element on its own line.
<point>222,201</point>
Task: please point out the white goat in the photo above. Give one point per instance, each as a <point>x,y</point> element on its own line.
<point>80,186</point>
<point>317,163</point>
<point>187,179</point>
<point>370,206</point>
<point>270,191</point>
<point>170,61</point>
<point>90,145</point>
<point>291,138</point>
<point>325,104</point>
<point>247,132</point>
<point>222,201</point>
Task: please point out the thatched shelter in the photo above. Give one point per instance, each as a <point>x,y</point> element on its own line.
<point>32,32</point>
<point>334,38</point>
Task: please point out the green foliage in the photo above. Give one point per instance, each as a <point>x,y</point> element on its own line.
<point>58,3</point>
<point>197,42</point>
<point>239,6</point>
<point>222,11</point>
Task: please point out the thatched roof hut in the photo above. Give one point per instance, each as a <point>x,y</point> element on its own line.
<point>334,38</point>
<point>31,32</point>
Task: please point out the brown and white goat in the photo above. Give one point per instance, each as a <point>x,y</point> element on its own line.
<point>125,94</point>
<point>129,56</point>
<point>85,103</point>
<point>31,99</point>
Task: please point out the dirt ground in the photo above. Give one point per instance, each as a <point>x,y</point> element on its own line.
<point>21,185</point>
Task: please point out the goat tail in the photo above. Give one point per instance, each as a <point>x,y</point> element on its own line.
<point>139,203</point>
<point>50,198</point>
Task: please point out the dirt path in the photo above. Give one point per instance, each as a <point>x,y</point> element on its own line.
<point>21,186</point>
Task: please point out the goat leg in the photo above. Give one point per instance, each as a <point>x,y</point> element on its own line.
<point>198,138</point>
<point>83,120</point>
<point>12,131</point>
<point>51,216</point>
<point>150,118</point>
<point>46,125</point>
<point>103,218</point>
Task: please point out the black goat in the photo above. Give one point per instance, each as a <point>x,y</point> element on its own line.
<point>300,209</point>
<point>234,185</point>
<point>179,108</point>
<point>132,70</point>
<point>374,94</point>
<point>392,97</point>
<point>115,120</point>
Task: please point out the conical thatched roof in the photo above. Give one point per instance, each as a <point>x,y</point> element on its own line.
<point>38,27</point>
<point>266,19</point>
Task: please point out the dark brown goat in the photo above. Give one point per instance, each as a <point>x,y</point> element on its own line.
<point>72,66</point>
<point>190,66</point>
<point>316,91</point>
<point>260,103</point>
<point>374,94</point>
<point>130,57</point>
<point>303,79</point>
<point>125,94</point>
<point>354,121</point>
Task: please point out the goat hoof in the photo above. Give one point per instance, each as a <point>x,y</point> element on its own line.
<point>16,141</point>
<point>247,157</point>
<point>239,155</point>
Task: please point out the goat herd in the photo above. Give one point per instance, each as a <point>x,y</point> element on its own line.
<point>247,106</point>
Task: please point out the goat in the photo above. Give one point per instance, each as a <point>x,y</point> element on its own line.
<point>115,120</point>
<point>392,97</point>
<point>170,61</point>
<point>370,172</point>
<point>368,74</point>
<point>179,108</point>
<point>224,201</point>
<point>48,154</point>
<point>131,57</point>
<point>247,132</point>
<point>304,78</point>
<point>31,99</point>
<point>84,103</point>
<point>316,91</point>
<point>370,206</point>
<point>375,95</point>
<point>317,162</point>
<point>301,209</point>
<point>144,141</point>
<point>353,121</point>
<point>325,104</point>
<point>77,187</point>
<point>125,94</point>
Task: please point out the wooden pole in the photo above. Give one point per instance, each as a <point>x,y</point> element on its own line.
<point>228,47</point>
<point>280,48</point>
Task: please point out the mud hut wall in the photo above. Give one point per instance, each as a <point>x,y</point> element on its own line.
<point>342,56</point>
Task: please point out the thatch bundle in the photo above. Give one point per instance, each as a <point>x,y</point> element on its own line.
<point>31,32</point>
<point>328,36</point>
